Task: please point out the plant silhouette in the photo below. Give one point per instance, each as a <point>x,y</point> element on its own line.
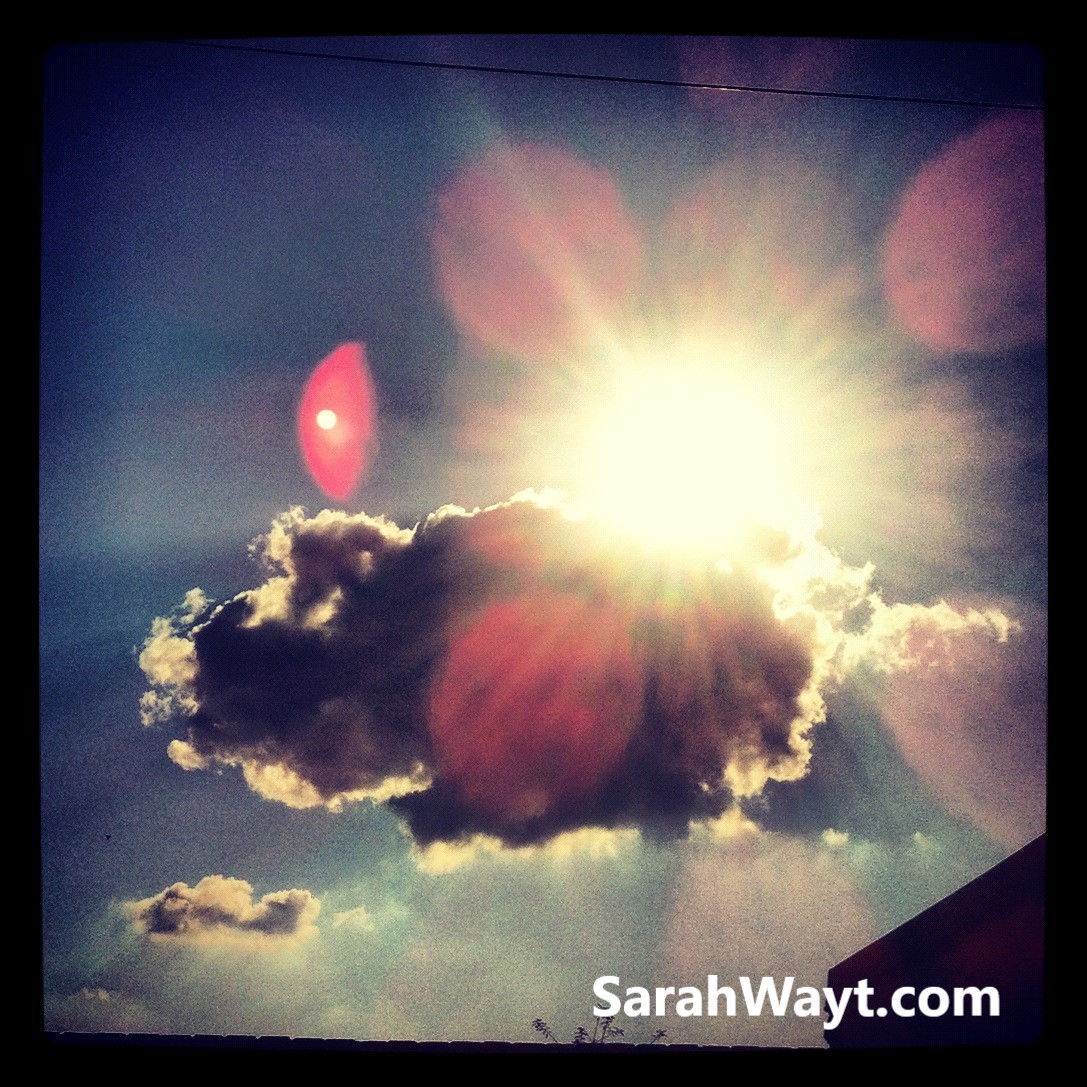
<point>603,1031</point>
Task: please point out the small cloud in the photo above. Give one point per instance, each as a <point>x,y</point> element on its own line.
<point>184,754</point>
<point>439,857</point>
<point>728,825</point>
<point>95,1010</point>
<point>904,637</point>
<point>835,838</point>
<point>195,602</point>
<point>358,919</point>
<point>220,910</point>
<point>924,844</point>
<point>168,659</point>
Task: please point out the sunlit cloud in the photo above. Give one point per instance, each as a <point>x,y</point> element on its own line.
<point>358,919</point>
<point>169,663</point>
<point>220,911</point>
<point>522,672</point>
<point>439,858</point>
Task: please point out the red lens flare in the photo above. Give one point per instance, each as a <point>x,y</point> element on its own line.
<point>336,421</point>
<point>969,722</point>
<point>534,250</point>
<point>964,263</point>
<point>536,704</point>
<point>762,243</point>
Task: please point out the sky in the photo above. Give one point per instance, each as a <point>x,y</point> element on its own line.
<point>500,530</point>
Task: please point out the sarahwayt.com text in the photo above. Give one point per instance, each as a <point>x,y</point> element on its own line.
<point>780,998</point>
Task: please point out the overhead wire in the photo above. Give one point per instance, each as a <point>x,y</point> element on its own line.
<point>597,78</point>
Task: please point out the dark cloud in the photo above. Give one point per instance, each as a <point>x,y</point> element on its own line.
<point>221,910</point>
<point>519,672</point>
<point>515,672</point>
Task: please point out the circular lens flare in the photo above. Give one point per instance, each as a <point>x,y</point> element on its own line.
<point>536,704</point>
<point>535,251</point>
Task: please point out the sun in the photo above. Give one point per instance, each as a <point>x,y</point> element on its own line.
<point>694,459</point>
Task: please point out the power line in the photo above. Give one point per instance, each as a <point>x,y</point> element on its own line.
<point>587,77</point>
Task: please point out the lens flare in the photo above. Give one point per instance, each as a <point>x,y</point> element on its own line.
<point>964,262</point>
<point>336,421</point>
<point>536,704</point>
<point>534,250</point>
<point>706,449</point>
